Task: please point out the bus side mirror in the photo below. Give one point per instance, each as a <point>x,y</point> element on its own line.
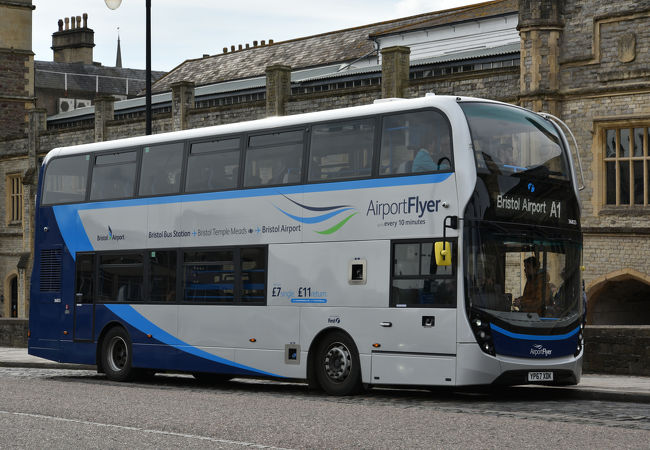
<point>443,253</point>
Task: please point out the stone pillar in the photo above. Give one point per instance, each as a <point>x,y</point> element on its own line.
<point>37,124</point>
<point>182,103</point>
<point>278,89</point>
<point>540,28</point>
<point>16,67</point>
<point>395,65</point>
<point>104,112</point>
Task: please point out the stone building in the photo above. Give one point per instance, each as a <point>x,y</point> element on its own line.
<point>583,61</point>
<point>73,80</point>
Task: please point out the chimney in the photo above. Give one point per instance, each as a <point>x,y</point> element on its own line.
<point>73,44</point>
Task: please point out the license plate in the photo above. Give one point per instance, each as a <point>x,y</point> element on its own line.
<point>540,376</point>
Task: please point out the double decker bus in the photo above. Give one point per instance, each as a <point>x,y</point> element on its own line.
<point>430,242</point>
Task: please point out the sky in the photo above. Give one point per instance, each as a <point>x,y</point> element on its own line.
<point>188,29</point>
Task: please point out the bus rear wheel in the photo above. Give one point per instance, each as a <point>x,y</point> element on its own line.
<point>117,355</point>
<point>337,365</point>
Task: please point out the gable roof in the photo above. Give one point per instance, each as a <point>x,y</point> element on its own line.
<point>336,47</point>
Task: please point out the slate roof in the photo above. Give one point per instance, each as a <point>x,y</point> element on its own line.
<point>82,77</point>
<point>335,47</point>
<point>471,12</point>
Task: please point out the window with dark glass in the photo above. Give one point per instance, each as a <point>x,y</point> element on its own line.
<point>511,141</point>
<point>274,159</point>
<point>65,180</point>
<point>162,276</point>
<point>213,165</point>
<point>253,275</point>
<point>121,277</point>
<point>415,142</point>
<point>416,278</point>
<point>341,150</point>
<point>231,275</point>
<point>161,169</point>
<point>627,166</point>
<point>209,276</point>
<point>85,277</point>
<point>113,176</point>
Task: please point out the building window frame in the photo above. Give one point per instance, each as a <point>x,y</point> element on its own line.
<point>625,163</point>
<point>14,199</point>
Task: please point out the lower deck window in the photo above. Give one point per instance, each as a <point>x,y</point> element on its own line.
<point>224,275</point>
<point>209,276</point>
<point>120,278</point>
<point>416,279</point>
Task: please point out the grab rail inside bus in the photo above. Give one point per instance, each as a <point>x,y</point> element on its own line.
<point>575,144</point>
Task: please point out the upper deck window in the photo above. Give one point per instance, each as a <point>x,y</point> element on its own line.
<point>113,176</point>
<point>341,150</point>
<point>512,141</point>
<point>161,169</point>
<point>274,159</point>
<point>415,142</point>
<point>65,180</point>
<point>213,165</point>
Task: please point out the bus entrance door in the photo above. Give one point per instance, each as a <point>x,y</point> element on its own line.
<point>84,308</point>
<point>84,315</point>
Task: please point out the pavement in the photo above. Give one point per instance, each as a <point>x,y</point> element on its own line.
<point>624,388</point>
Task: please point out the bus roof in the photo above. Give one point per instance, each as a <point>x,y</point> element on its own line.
<point>382,106</point>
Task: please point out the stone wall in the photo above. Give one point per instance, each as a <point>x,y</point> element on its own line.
<point>13,332</point>
<point>604,254</point>
<point>621,350</point>
<point>502,85</point>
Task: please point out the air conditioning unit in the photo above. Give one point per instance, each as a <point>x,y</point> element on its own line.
<point>66,104</point>
<point>80,103</point>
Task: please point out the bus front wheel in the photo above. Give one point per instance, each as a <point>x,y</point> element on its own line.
<point>337,364</point>
<point>116,355</point>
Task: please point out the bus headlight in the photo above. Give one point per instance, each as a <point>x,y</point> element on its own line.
<point>483,335</point>
<point>581,343</point>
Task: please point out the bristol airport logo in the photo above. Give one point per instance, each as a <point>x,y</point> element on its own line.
<point>110,236</point>
<point>540,350</point>
<point>331,217</point>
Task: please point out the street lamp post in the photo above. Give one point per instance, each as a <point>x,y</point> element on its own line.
<point>114,4</point>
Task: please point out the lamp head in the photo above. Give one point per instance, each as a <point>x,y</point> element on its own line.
<point>113,4</point>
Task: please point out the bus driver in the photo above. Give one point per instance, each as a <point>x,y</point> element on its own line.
<point>535,290</point>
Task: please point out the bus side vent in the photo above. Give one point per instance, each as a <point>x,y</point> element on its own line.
<point>51,270</point>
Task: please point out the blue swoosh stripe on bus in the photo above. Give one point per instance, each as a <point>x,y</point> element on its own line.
<point>534,337</point>
<point>317,208</point>
<point>75,238</point>
<point>433,178</point>
<point>138,321</point>
<point>316,219</point>
<point>73,232</point>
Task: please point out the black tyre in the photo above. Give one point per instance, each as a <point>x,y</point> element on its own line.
<point>117,356</point>
<point>337,364</point>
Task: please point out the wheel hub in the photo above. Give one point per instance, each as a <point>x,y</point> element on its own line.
<point>338,362</point>
<point>118,354</point>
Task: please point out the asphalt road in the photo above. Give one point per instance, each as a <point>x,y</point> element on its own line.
<point>46,408</point>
